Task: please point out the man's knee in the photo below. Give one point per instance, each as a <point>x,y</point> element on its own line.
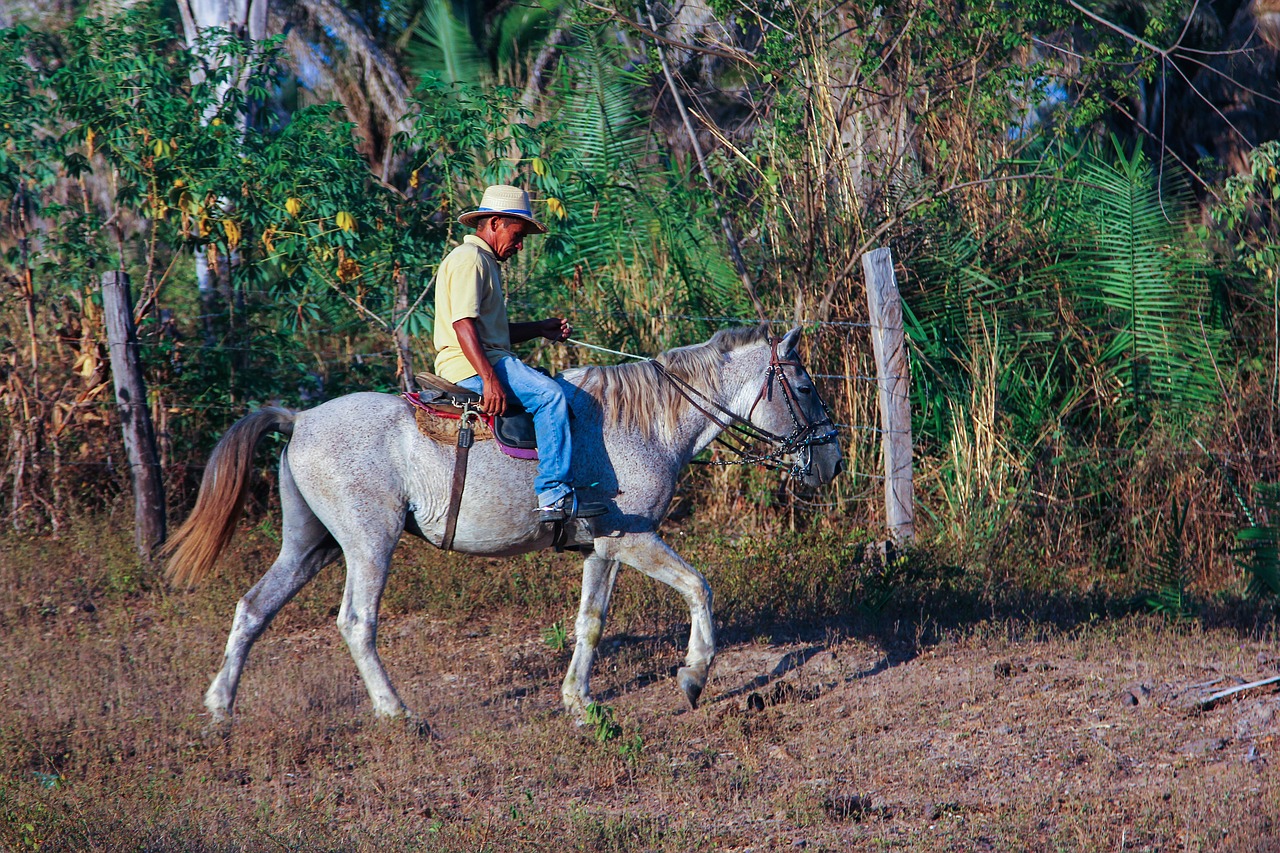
<point>551,397</point>
<point>537,389</point>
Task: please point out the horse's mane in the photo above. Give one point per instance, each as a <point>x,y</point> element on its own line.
<point>637,395</point>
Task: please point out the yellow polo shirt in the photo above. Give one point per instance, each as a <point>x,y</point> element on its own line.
<point>468,284</point>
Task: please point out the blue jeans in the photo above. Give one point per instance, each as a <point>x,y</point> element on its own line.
<point>543,398</point>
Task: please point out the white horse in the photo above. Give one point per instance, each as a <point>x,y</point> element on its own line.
<point>358,472</point>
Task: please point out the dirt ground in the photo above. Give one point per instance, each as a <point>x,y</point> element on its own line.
<point>1007,733</point>
<point>1087,742</point>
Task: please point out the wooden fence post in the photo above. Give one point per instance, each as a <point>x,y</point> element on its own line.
<point>890,346</point>
<point>135,415</point>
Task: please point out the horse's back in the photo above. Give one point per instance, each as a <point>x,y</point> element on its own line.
<point>363,419</point>
<point>362,441</point>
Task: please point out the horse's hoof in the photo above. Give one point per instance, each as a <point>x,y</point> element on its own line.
<point>393,713</point>
<point>218,727</point>
<point>691,682</point>
<point>577,710</point>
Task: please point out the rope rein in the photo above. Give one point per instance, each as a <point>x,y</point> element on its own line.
<point>586,345</point>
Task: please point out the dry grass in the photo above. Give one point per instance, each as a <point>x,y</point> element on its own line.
<point>952,720</point>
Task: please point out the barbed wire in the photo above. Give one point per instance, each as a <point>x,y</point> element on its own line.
<point>1225,457</point>
<point>360,357</point>
<point>198,466</point>
<point>585,312</point>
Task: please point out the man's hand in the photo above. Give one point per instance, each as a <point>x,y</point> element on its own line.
<point>494,399</point>
<point>555,329</point>
<point>552,328</point>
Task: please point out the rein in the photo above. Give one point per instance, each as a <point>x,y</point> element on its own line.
<point>804,435</point>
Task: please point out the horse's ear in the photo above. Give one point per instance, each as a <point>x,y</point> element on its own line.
<point>789,341</point>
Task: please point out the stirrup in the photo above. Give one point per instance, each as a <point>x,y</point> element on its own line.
<point>568,507</point>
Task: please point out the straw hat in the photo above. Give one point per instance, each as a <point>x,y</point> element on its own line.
<point>504,200</point>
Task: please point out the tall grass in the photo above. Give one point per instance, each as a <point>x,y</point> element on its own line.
<point>1072,329</point>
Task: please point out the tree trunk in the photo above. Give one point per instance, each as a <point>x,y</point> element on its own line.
<point>242,19</point>
<point>135,416</point>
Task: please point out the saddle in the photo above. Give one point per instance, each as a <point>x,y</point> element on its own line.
<point>442,398</point>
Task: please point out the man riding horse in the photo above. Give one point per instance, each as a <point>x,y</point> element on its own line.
<point>473,340</point>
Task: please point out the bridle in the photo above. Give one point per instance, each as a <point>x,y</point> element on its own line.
<point>736,431</point>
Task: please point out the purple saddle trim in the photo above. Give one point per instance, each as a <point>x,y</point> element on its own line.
<point>514,452</point>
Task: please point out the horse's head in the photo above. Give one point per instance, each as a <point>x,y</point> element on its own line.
<point>789,407</point>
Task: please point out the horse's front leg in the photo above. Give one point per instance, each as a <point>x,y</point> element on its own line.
<point>648,553</point>
<point>598,578</point>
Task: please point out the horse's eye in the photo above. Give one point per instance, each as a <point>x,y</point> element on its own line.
<point>805,389</point>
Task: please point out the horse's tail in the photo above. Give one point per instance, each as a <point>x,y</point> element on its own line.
<point>195,547</point>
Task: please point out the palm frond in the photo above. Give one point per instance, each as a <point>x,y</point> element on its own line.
<point>599,109</point>
<point>1259,544</point>
<point>1141,292</point>
<point>439,41</point>
<point>519,29</point>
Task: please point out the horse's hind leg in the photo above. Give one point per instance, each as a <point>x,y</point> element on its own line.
<point>648,553</point>
<point>305,549</point>
<point>367,567</point>
<point>367,539</point>
<point>598,578</point>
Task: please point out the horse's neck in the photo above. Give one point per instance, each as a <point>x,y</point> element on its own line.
<point>697,429</point>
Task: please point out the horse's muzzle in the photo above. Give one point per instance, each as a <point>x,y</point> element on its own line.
<point>824,463</point>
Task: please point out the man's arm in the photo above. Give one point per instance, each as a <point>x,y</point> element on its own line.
<point>552,328</point>
<point>494,400</point>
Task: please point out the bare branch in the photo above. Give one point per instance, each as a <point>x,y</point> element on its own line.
<point>735,251</point>
<point>735,55</point>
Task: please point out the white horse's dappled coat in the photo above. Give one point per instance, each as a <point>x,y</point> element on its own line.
<point>357,473</point>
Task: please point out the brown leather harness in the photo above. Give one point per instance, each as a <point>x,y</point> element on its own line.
<point>804,435</point>
<point>466,438</point>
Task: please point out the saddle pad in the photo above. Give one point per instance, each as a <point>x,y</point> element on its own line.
<point>443,426</point>
<point>441,422</point>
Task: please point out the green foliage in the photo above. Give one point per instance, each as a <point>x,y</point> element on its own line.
<point>461,42</point>
<point>1167,575</point>
<point>632,749</point>
<point>442,44</point>
<point>605,729</point>
<point>317,241</point>
<point>1138,282</point>
<point>556,637</point>
<point>465,137</point>
<point>1121,264</point>
<point>881,580</point>
<point>634,229</point>
<point>1055,349</point>
<point>603,725</point>
<point>28,153</point>
<point>1259,544</point>
<point>1248,212</point>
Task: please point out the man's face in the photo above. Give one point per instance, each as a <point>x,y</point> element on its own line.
<point>506,236</point>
